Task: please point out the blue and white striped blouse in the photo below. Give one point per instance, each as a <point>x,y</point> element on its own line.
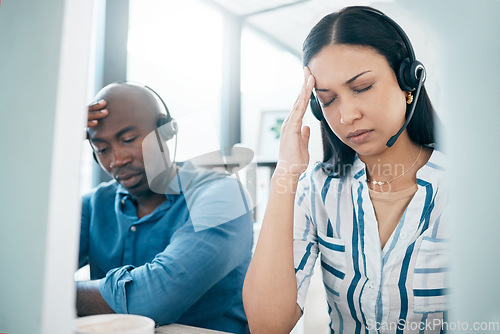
<point>398,289</point>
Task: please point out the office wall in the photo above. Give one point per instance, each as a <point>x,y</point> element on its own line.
<point>465,33</point>
<point>470,29</point>
<point>43,70</point>
<point>29,66</point>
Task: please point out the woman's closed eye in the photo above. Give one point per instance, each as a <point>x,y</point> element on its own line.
<point>359,90</point>
<point>356,90</point>
<point>328,103</point>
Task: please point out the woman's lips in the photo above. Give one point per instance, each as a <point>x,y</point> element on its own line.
<point>359,136</point>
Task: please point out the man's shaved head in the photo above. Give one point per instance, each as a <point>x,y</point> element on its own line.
<point>134,99</point>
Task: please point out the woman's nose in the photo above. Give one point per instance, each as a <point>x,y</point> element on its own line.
<point>349,112</point>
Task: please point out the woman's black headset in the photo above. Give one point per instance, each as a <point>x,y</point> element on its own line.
<point>410,74</point>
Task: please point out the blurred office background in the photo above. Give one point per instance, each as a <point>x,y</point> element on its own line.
<point>226,69</point>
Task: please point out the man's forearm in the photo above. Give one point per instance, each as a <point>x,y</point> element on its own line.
<point>89,300</point>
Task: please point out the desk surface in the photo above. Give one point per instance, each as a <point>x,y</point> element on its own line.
<point>182,329</point>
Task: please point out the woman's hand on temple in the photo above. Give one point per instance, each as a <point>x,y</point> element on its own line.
<point>294,139</point>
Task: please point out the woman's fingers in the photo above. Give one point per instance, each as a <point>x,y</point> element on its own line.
<point>294,153</point>
<point>305,95</point>
<point>302,101</point>
<point>306,133</point>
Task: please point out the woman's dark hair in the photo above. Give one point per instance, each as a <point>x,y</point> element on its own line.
<point>358,25</point>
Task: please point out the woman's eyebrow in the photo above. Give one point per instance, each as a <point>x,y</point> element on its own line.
<point>346,83</point>
<point>356,76</point>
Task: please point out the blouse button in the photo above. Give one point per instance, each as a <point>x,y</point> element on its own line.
<point>133,228</point>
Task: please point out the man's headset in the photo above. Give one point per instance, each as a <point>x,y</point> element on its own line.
<point>166,126</point>
<point>410,74</point>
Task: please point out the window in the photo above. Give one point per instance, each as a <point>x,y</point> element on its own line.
<point>175,47</point>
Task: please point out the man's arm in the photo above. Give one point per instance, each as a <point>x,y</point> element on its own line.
<point>89,300</point>
<point>192,263</point>
<point>177,277</point>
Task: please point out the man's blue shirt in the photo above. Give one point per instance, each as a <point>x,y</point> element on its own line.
<point>185,262</point>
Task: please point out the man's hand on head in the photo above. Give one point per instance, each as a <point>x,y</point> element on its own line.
<point>96,112</point>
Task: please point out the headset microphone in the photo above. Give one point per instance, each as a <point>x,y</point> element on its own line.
<point>393,139</point>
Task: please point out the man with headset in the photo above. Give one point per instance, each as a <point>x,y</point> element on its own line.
<point>176,250</point>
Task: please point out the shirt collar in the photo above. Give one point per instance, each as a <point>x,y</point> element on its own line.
<point>185,176</point>
<point>121,190</point>
<point>358,169</point>
<point>432,170</point>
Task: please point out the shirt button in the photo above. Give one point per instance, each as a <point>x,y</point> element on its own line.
<point>403,235</point>
<point>133,228</point>
<point>123,200</point>
<point>371,284</point>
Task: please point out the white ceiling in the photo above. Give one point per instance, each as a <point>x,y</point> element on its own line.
<point>285,22</point>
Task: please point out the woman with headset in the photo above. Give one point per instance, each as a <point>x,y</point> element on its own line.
<point>373,208</point>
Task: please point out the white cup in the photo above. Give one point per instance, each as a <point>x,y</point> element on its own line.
<point>114,324</point>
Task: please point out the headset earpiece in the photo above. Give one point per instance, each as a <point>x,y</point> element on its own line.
<point>316,107</point>
<point>167,128</point>
<point>94,156</point>
<point>409,74</point>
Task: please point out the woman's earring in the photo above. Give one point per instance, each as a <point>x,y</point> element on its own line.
<point>409,98</point>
